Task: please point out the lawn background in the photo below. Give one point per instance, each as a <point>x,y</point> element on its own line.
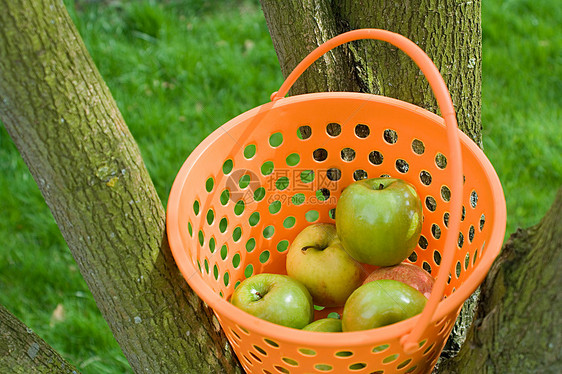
<point>179,69</point>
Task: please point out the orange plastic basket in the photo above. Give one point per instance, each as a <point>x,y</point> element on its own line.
<point>250,187</point>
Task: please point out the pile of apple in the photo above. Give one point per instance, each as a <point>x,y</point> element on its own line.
<point>378,224</point>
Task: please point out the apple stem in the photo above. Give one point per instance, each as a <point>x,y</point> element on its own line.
<point>304,249</point>
<point>381,186</point>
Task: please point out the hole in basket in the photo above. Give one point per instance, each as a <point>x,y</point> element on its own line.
<point>437,257</point>
<point>333,174</point>
<point>268,231</point>
<point>307,352</point>
<point>264,256</point>
<point>237,233</point>
<point>249,271</point>
<point>307,176</point>
<point>333,129</point>
<point>290,361</point>
<point>471,233</point>
<point>293,159</point>
<point>376,158</point>
<point>250,151</point>
<point>347,154</point>
<point>312,216</point>
<point>250,245</point>
<point>466,260</point>
<point>196,207</point>
<point>463,213</point>
<point>473,199</point>
<point>435,231</point>
<point>260,350</point>
<point>226,279</point>
<point>332,213</point>
<point>223,224</point>
<point>390,358</point>
<point>298,199</point>
<point>323,367</point>
<point>378,372</point>
<point>282,246</point>
<point>254,219</point>
<point>422,242</point>
<point>323,194</point>
<point>482,221</point>
<point>344,353</point>
<point>362,131</point>
<point>445,193</point>
<point>275,207</point>
<point>281,369</point>
<point>380,348</point>
<point>402,166</point>
<point>426,351</point>
<point>304,132</point>
<point>224,251</point>
<point>475,255</point>
<point>210,216</point>
<point>404,364</point>
<point>458,269</point>
<point>357,366</point>
<point>413,257</point>
<point>267,168</point>
<point>276,139</point>
<point>255,357</point>
<point>440,160</point>
<point>239,207</point>
<point>190,229</point>
<point>237,284</point>
<point>216,272</point>
<point>227,166</point>
<point>209,184</point>
<point>271,343</point>
<point>418,147</point>
<point>199,267</point>
<point>201,238</point>
<point>430,203</point>
<point>244,181</point>
<point>212,245</point>
<point>390,136</point>
<point>236,260</point>
<point>259,194</point>
<point>359,174</point>
<point>411,370</point>
<point>282,183</point>
<point>224,197</point>
<point>446,219</point>
<point>425,177</point>
<point>289,222</point>
<point>460,240</point>
<point>426,266</point>
<point>320,154</point>
<point>206,263</point>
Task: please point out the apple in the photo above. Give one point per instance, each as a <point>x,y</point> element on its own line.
<point>325,325</point>
<point>317,259</point>
<point>381,303</point>
<point>379,220</point>
<point>407,273</point>
<point>275,298</point>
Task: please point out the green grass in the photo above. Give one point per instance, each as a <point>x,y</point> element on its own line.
<point>180,70</point>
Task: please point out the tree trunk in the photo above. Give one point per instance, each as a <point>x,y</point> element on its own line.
<point>67,127</point>
<point>23,352</point>
<point>449,32</point>
<point>518,319</point>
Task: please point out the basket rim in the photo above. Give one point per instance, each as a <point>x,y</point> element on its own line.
<point>222,307</point>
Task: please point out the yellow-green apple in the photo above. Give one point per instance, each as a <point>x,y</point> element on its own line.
<point>379,220</point>
<point>381,303</point>
<point>317,259</point>
<point>275,298</point>
<point>325,325</point>
<point>404,272</point>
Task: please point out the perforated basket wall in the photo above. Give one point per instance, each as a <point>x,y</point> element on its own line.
<point>256,182</point>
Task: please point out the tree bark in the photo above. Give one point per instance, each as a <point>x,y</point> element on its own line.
<point>68,129</point>
<point>518,319</point>
<point>22,351</point>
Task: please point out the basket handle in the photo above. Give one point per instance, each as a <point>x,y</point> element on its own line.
<point>410,341</point>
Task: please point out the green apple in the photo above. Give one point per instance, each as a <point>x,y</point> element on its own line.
<point>379,220</point>
<point>317,259</point>
<point>381,303</point>
<point>325,325</point>
<point>404,272</point>
<point>275,298</point>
